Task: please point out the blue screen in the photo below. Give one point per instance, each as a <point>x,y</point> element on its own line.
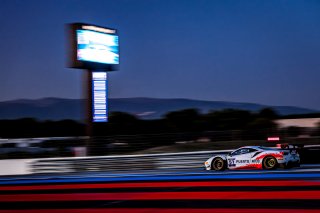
<point>97,47</point>
<point>100,96</point>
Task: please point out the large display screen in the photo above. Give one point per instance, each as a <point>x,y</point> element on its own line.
<point>93,47</point>
<point>99,97</point>
<point>97,47</point>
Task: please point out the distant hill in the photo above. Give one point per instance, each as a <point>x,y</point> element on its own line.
<point>147,108</point>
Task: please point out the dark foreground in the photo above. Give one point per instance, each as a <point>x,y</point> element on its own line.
<point>195,191</point>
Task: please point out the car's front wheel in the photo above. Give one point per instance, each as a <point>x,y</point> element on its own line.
<point>218,164</point>
<point>269,162</point>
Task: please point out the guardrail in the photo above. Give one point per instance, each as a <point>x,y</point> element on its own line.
<point>123,162</point>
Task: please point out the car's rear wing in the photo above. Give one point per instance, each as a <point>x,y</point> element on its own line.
<point>292,147</point>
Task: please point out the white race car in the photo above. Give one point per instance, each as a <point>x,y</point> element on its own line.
<point>255,157</point>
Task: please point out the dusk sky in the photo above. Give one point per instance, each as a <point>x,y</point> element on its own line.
<point>265,52</point>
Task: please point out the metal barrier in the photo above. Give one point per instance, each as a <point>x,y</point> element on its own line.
<point>123,162</point>
<point>126,163</point>
<point>129,163</point>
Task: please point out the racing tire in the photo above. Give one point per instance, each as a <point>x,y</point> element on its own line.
<point>269,163</point>
<point>218,164</point>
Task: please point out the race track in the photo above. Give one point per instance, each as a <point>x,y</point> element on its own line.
<point>165,191</point>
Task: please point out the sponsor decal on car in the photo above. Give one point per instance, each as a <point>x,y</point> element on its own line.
<point>242,161</point>
<point>231,162</point>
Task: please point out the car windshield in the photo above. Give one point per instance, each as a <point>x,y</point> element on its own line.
<point>243,151</point>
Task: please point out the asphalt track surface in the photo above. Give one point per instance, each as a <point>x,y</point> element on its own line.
<point>165,191</point>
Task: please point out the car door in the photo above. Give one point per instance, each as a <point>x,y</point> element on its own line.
<point>239,158</point>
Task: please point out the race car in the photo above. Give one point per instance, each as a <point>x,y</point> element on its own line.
<point>255,157</point>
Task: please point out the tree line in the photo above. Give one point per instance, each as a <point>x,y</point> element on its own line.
<point>138,134</point>
<point>120,123</point>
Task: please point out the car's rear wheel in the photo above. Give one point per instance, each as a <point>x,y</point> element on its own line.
<point>269,162</point>
<point>218,164</point>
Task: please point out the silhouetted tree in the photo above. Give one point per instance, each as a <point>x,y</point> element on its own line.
<point>228,119</point>
<point>268,113</point>
<point>123,123</point>
<point>260,128</point>
<point>184,120</point>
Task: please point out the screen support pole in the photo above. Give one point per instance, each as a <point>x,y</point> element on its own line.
<point>88,110</point>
